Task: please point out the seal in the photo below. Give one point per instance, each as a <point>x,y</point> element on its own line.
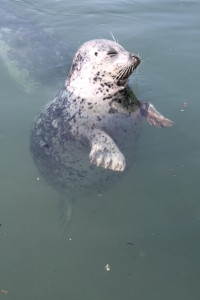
<point>84,138</point>
<point>33,56</point>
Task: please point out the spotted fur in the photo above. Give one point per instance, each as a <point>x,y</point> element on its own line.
<point>82,139</point>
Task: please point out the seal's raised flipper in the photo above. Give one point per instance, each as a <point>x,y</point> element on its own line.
<point>105,152</point>
<point>153,116</point>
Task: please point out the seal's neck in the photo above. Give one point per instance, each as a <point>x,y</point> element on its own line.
<point>92,85</point>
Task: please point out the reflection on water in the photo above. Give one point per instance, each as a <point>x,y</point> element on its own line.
<point>147,227</point>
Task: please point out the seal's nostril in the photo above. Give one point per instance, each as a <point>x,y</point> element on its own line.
<point>137,58</point>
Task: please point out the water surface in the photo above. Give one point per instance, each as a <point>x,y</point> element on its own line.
<point>147,227</point>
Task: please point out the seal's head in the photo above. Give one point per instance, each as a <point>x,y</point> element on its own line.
<point>100,67</point>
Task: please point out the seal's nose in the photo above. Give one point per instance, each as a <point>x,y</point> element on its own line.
<point>136,58</point>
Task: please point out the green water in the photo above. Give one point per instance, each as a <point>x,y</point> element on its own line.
<point>147,228</point>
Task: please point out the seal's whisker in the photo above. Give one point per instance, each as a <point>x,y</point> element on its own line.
<point>121,73</point>
<point>113,37</point>
<point>125,72</point>
<point>129,70</point>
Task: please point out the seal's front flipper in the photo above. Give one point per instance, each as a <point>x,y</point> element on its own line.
<point>105,152</point>
<point>153,116</point>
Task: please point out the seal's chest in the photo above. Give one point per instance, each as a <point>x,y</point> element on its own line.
<point>125,130</point>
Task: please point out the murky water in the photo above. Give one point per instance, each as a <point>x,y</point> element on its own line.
<point>147,227</point>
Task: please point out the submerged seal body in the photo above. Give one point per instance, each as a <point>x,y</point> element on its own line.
<point>33,56</point>
<point>84,137</point>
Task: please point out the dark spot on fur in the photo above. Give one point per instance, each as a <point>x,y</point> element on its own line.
<point>108,97</point>
<point>112,110</point>
<point>96,53</point>
<point>108,84</point>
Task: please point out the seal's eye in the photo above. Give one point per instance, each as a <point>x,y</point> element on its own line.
<point>96,53</point>
<point>112,52</point>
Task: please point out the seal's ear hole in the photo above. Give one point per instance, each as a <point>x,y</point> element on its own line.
<point>96,53</point>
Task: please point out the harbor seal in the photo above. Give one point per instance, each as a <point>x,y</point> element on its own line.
<point>84,139</point>
<point>34,57</point>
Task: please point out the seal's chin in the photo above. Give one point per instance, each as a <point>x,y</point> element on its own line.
<point>122,82</point>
